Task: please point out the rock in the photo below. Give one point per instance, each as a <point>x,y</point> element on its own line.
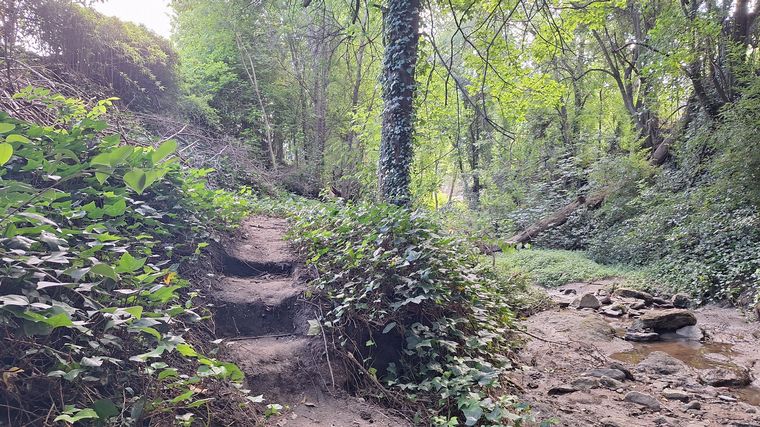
<point>665,320</point>
<point>564,303</point>
<point>620,367</point>
<point>692,405</point>
<point>610,383</point>
<point>605,300</point>
<point>611,312</point>
<point>659,362</point>
<point>681,301</point>
<point>586,383</point>
<point>641,336</point>
<point>569,291</point>
<point>672,394</point>
<point>661,301</point>
<point>643,400</point>
<point>602,292</point>
<point>615,374</point>
<point>725,398</point>
<point>736,376</point>
<point>587,301</point>
<point>633,293</point>
<point>561,389</point>
<point>638,305</point>
<point>692,332</point>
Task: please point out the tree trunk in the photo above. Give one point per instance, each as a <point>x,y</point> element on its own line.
<point>401,21</point>
<point>557,218</point>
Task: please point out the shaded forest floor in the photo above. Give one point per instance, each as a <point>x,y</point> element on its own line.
<point>581,370</point>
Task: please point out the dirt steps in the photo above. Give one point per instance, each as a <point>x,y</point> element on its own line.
<point>258,307</point>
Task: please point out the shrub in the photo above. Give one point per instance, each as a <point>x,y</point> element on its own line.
<point>96,318</point>
<point>413,306</point>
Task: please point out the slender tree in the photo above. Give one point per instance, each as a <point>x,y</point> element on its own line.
<point>402,35</point>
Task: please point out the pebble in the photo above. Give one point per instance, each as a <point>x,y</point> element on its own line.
<point>726,398</point>
<point>672,394</point>
<point>607,372</point>
<point>692,405</point>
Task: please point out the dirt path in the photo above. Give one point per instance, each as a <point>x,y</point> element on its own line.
<point>583,372</point>
<point>261,311</point>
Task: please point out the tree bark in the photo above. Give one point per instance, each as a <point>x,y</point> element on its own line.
<point>401,21</point>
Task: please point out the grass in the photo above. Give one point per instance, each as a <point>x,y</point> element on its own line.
<point>554,268</point>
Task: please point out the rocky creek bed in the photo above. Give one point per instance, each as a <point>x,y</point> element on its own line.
<point>611,356</point>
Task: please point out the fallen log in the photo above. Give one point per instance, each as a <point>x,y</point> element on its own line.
<point>557,218</point>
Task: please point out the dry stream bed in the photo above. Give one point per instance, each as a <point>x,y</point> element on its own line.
<point>590,363</point>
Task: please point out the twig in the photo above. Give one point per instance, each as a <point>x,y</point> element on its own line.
<point>260,337</point>
<point>327,349</point>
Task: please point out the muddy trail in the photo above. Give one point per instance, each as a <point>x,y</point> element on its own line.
<point>261,312</point>
<point>610,356</point>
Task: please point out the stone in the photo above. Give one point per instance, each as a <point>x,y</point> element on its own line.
<point>641,336</point>
<point>564,303</point>
<point>681,301</point>
<point>633,293</point>
<point>672,394</point>
<point>659,362</point>
<point>661,301</point>
<point>620,367</point>
<point>692,405</point>
<point>602,292</point>
<point>638,305</point>
<point>586,383</point>
<point>726,398</point>
<point>611,312</point>
<point>611,422</point>
<point>587,301</point>
<point>735,376</point>
<point>757,311</point>
<point>607,372</point>
<point>642,399</point>
<point>665,320</point>
<point>561,389</point>
<point>610,383</point>
<point>605,299</point>
<point>569,291</point>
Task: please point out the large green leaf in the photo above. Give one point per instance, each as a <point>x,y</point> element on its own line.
<point>137,180</point>
<point>17,138</point>
<point>6,127</point>
<point>6,151</point>
<point>104,270</point>
<point>163,150</point>
<point>128,263</point>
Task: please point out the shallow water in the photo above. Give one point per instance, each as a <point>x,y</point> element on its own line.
<point>696,354</point>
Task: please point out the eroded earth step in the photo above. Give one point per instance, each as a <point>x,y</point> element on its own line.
<point>279,366</point>
<point>260,249</point>
<point>258,306</point>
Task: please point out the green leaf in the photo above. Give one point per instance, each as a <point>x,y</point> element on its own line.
<point>104,270</point>
<point>102,176</point>
<point>17,138</point>
<point>6,151</point>
<point>184,396</point>
<point>128,263</point>
<point>186,350</point>
<point>6,127</point>
<point>389,327</point>
<point>59,320</point>
<point>115,209</point>
<point>137,180</point>
<point>84,414</point>
<point>163,150</point>
<point>105,409</point>
<point>136,312</point>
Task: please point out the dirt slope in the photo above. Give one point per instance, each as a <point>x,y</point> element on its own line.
<point>261,311</point>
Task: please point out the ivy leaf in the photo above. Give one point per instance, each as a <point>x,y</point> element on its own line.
<point>105,409</point>
<point>104,270</point>
<point>6,151</point>
<point>128,263</point>
<point>6,127</point>
<point>84,414</point>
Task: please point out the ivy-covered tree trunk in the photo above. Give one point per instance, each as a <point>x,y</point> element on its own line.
<point>402,34</point>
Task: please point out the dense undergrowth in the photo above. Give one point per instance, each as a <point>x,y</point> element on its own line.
<point>413,311</point>
<point>97,240</point>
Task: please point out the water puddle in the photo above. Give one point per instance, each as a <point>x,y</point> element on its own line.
<point>696,354</point>
<point>693,353</point>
